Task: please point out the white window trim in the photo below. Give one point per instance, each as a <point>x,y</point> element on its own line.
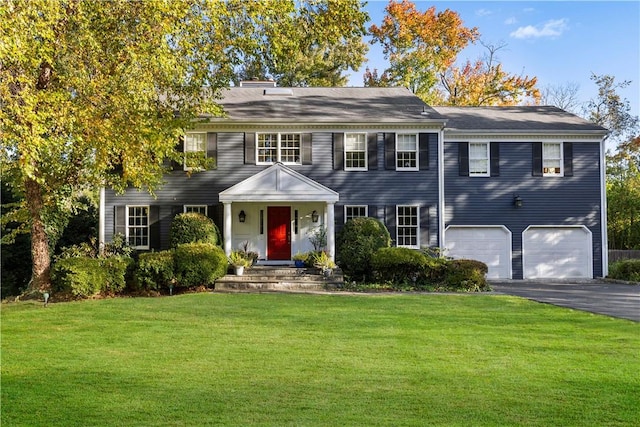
<point>366,210</point>
<point>366,150</point>
<point>278,148</point>
<point>204,149</point>
<point>127,226</point>
<point>417,245</point>
<point>417,151</point>
<point>186,207</point>
<point>481,174</point>
<point>561,145</point>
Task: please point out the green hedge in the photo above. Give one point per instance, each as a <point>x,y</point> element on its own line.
<point>356,243</point>
<point>466,275</point>
<point>199,264</point>
<point>86,277</point>
<point>193,227</point>
<point>155,270</point>
<point>628,269</point>
<point>399,265</point>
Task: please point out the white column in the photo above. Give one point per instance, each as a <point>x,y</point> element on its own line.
<point>228,237</point>
<point>101,220</point>
<point>331,232</point>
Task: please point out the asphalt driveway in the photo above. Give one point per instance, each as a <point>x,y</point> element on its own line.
<point>611,299</point>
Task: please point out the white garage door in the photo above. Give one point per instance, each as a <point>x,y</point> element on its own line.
<point>491,245</point>
<point>557,252</point>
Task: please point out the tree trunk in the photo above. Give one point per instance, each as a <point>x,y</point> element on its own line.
<point>41,272</point>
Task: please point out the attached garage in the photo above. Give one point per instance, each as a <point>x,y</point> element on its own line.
<point>489,244</point>
<point>557,252</point>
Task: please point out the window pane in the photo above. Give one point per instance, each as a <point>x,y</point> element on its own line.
<point>355,212</point>
<point>406,142</point>
<point>290,148</point>
<point>267,147</point>
<point>407,226</point>
<point>551,158</point>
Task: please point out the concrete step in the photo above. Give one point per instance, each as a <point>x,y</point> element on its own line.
<point>265,278</point>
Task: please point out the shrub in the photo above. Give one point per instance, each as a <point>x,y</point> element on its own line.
<point>192,227</point>
<point>199,264</point>
<point>86,277</point>
<point>155,270</point>
<point>628,269</point>
<point>466,275</point>
<point>399,265</point>
<point>356,243</point>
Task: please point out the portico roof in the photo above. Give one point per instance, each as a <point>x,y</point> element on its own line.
<point>278,183</point>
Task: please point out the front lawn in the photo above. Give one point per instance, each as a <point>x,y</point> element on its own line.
<point>289,359</point>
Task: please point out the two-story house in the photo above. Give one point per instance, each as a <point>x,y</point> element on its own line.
<point>520,188</point>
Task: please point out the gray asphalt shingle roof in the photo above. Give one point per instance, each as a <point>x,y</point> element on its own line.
<point>326,104</point>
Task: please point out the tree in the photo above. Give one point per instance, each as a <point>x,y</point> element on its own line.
<point>96,94</point>
<point>562,96</point>
<point>420,45</point>
<point>485,83</point>
<point>309,45</point>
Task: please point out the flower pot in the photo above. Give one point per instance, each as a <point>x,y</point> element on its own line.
<point>299,263</point>
<point>239,270</point>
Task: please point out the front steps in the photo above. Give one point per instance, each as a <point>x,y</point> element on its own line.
<point>262,278</point>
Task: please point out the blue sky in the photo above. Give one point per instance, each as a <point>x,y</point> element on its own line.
<point>557,41</point>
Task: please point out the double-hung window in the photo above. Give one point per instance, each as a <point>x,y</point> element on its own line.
<point>354,211</point>
<point>355,151</point>
<point>278,147</point>
<point>407,152</point>
<point>407,227</point>
<point>195,145</point>
<point>201,209</point>
<point>138,226</point>
<point>552,158</point>
<point>479,159</point>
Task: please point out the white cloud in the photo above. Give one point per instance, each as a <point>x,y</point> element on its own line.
<point>483,12</point>
<point>553,28</point>
<point>510,21</point>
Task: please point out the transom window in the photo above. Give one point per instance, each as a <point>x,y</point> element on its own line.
<point>278,147</point>
<point>479,159</point>
<point>552,158</point>
<point>195,144</point>
<point>138,226</point>
<point>354,211</point>
<point>407,226</point>
<point>201,209</point>
<point>355,151</point>
<point>407,151</point>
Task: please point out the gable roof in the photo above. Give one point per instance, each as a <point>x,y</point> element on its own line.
<point>525,118</point>
<point>325,104</point>
<point>278,183</point>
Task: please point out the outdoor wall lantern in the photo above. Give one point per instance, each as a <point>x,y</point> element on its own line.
<point>242,217</point>
<point>517,201</point>
<point>314,216</point>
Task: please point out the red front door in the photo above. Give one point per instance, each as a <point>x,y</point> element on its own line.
<point>278,232</point>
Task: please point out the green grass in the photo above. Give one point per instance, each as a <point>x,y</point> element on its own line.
<point>288,359</point>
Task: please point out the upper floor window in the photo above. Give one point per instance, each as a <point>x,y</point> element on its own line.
<point>479,159</point>
<point>354,211</point>
<point>407,226</point>
<point>195,145</point>
<point>137,231</point>
<point>201,209</point>
<point>552,158</point>
<point>355,151</point>
<point>278,147</point>
<point>407,152</point>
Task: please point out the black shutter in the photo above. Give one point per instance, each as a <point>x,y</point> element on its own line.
<point>249,148</point>
<point>536,158</point>
<point>390,222</point>
<point>373,211</point>
<point>212,149</point>
<point>372,151</point>
<point>307,158</point>
<point>180,150</point>
<point>568,158</point>
<point>154,227</point>
<point>338,215</point>
<point>424,225</point>
<point>176,210</point>
<point>390,151</point>
<point>338,151</point>
<point>215,212</point>
<point>424,140</point>
<point>119,220</point>
<point>494,166</point>
<point>463,158</point>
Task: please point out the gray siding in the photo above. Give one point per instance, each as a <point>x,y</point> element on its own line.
<point>573,200</point>
<point>379,188</point>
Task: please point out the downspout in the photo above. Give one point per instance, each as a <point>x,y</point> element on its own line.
<point>603,209</point>
<point>441,210</point>
<point>101,220</point>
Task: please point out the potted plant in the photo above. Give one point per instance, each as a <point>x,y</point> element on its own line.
<point>300,258</point>
<point>239,262</point>
<point>324,263</point>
